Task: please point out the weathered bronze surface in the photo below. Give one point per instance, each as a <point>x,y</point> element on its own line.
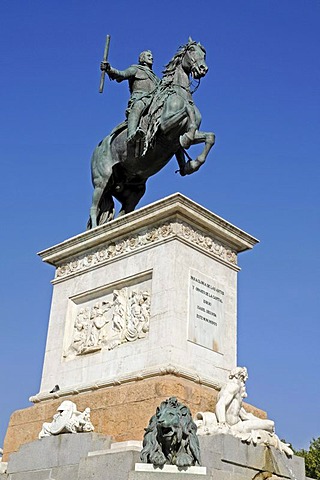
<point>171,437</point>
<point>105,58</point>
<point>142,85</point>
<point>162,121</point>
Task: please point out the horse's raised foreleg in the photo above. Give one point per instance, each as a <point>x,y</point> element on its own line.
<point>171,119</point>
<point>188,137</point>
<point>179,112</point>
<point>208,138</point>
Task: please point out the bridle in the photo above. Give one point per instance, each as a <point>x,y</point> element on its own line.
<point>193,62</point>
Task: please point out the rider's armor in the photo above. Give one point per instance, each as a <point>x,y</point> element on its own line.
<point>142,83</point>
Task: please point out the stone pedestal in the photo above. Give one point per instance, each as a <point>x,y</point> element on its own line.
<point>87,456</point>
<point>143,308</point>
<point>152,290</point>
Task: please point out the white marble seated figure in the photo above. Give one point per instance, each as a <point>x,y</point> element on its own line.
<point>230,417</point>
<point>67,420</point>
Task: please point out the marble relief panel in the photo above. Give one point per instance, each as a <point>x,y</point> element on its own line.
<point>118,316</point>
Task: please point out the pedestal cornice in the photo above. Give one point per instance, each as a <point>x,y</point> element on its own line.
<point>173,217</point>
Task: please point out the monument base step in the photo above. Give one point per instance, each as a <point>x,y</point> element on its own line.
<point>90,456</point>
<point>122,411</point>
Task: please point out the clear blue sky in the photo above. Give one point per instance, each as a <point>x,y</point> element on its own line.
<point>261,97</point>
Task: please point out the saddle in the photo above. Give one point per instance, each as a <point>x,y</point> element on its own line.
<point>149,121</point>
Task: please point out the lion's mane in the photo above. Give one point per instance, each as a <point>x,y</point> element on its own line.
<point>181,447</point>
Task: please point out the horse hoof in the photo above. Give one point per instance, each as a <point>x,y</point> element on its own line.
<point>91,223</point>
<point>192,166</point>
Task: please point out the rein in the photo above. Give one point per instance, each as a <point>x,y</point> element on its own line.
<point>196,87</point>
<point>188,89</point>
<point>193,62</point>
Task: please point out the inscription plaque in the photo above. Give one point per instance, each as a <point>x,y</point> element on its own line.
<point>206,311</point>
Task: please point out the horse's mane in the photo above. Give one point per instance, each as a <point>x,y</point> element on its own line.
<point>186,430</point>
<point>162,92</point>
<point>177,58</point>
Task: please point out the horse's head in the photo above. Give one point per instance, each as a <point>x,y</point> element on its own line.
<point>194,59</point>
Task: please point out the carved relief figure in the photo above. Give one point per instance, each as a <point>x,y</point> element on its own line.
<point>109,324</point>
<point>80,331</point>
<point>230,417</point>
<point>98,320</point>
<point>119,317</point>
<point>67,420</point>
<point>134,317</point>
<point>144,302</point>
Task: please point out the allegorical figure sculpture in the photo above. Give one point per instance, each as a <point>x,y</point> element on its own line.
<point>170,437</point>
<point>142,84</point>
<point>230,417</point>
<point>67,420</point>
<point>108,324</point>
<point>162,122</point>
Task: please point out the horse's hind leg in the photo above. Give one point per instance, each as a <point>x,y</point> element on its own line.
<point>102,208</point>
<point>106,209</point>
<point>130,198</point>
<point>92,222</point>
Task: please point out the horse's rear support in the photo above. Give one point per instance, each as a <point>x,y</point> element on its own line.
<point>92,222</point>
<point>131,197</point>
<point>106,209</point>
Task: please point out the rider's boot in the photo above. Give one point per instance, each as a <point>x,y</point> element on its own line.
<point>133,122</point>
<point>134,131</point>
<point>137,135</point>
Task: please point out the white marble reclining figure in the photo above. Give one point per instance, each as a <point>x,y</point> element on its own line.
<point>230,417</point>
<point>67,420</point>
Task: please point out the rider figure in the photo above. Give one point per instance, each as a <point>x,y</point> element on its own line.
<point>142,82</point>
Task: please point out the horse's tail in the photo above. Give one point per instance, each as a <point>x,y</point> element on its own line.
<point>102,161</point>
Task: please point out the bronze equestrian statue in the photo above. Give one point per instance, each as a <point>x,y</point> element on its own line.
<point>165,123</point>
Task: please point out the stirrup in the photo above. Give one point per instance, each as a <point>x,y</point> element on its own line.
<point>139,133</point>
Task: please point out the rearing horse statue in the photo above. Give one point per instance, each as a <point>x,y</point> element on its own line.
<point>171,124</point>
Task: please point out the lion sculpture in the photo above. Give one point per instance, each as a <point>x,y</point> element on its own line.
<point>171,437</point>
